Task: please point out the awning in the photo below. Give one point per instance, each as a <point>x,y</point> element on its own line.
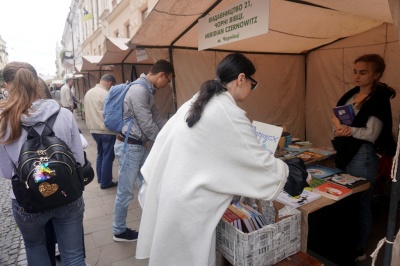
<point>89,62</point>
<point>294,27</point>
<point>118,53</point>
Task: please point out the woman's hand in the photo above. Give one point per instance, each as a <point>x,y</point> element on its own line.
<point>341,130</point>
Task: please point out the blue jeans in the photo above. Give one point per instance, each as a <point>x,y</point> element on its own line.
<point>129,172</point>
<point>68,224</point>
<point>364,164</point>
<point>105,158</point>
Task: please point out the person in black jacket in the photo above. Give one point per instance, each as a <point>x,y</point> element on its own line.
<point>369,134</point>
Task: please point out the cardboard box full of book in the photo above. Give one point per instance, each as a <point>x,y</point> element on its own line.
<point>266,246</point>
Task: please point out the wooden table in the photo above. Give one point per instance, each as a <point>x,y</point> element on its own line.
<point>314,206</point>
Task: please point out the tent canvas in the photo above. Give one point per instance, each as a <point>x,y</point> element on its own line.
<point>327,36</point>
<point>291,90</point>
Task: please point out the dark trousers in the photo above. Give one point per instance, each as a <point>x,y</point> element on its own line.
<point>105,158</point>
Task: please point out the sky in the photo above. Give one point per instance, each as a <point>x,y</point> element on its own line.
<point>31,30</point>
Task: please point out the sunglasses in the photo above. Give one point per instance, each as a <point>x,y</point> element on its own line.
<point>254,83</point>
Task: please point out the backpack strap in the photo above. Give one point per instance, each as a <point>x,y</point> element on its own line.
<point>47,130</point>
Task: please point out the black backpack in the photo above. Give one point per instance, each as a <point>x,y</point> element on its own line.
<point>47,174</point>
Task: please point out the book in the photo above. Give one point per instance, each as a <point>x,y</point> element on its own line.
<point>326,151</point>
<point>268,135</point>
<point>305,197</point>
<point>248,228</point>
<point>250,217</point>
<point>229,216</point>
<point>288,153</point>
<point>345,114</point>
<point>347,180</point>
<point>309,156</point>
<point>315,182</point>
<point>300,145</point>
<point>332,191</point>
<point>320,171</point>
<point>256,215</point>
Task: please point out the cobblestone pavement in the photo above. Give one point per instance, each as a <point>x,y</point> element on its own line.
<point>12,251</point>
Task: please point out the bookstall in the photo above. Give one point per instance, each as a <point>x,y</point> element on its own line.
<point>303,64</point>
<point>326,208</point>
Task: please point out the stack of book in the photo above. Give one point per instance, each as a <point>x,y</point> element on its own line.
<point>332,182</point>
<point>300,145</point>
<point>309,155</point>
<point>243,217</point>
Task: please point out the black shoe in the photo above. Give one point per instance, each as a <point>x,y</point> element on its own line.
<point>127,236</point>
<point>113,184</point>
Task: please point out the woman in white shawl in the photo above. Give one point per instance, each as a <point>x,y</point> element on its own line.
<point>206,153</point>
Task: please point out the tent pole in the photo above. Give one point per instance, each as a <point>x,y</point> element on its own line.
<point>391,222</point>
<point>173,83</point>
<point>123,74</point>
<point>390,233</point>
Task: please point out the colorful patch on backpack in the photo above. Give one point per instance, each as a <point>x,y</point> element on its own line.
<point>43,172</point>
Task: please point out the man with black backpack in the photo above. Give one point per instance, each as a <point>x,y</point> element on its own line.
<point>143,122</point>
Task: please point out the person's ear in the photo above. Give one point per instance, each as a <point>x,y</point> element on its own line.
<point>241,78</point>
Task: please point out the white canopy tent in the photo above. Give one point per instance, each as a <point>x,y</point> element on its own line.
<point>304,63</point>
<point>294,89</point>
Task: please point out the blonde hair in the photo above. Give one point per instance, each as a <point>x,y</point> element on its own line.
<point>24,88</point>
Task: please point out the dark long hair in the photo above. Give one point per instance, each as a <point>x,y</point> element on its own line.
<point>227,70</point>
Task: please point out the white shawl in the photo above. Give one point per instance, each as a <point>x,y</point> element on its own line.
<point>192,175</point>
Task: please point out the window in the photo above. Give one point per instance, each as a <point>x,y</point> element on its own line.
<point>145,12</point>
<point>128,29</point>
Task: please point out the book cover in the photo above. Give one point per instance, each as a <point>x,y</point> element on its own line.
<point>320,171</point>
<point>229,216</point>
<point>347,180</point>
<point>315,182</point>
<point>288,153</point>
<point>309,156</point>
<point>305,197</point>
<point>258,216</point>
<point>248,215</point>
<point>268,135</point>
<point>326,151</point>
<point>248,228</point>
<point>345,114</point>
<point>333,191</point>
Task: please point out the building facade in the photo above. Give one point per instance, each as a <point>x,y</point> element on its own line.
<point>3,53</point>
<point>91,21</point>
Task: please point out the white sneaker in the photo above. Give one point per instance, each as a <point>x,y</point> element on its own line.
<point>57,251</point>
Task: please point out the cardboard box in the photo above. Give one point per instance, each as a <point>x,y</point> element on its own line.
<point>266,246</point>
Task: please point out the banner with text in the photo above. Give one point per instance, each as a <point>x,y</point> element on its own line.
<point>240,21</point>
